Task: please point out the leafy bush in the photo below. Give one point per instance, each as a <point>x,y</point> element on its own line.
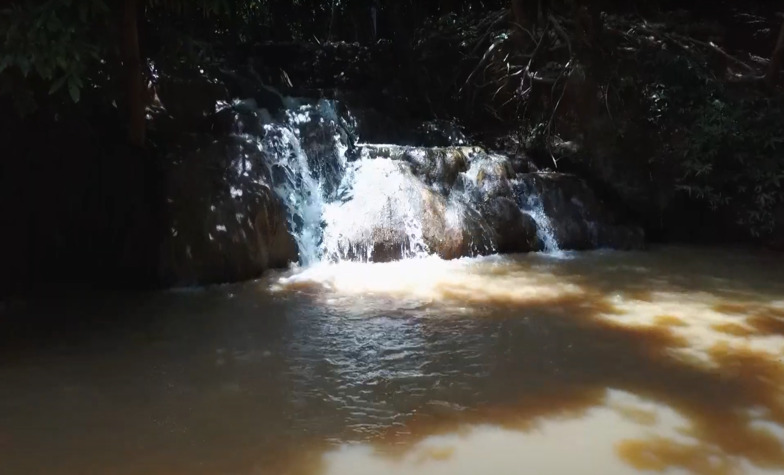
<point>721,140</point>
<point>51,44</point>
<point>734,158</point>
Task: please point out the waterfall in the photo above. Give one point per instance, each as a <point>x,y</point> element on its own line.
<point>298,187</point>
<point>377,191</point>
<point>346,200</point>
<point>529,199</point>
<point>305,153</point>
<point>365,206</point>
<point>544,227</point>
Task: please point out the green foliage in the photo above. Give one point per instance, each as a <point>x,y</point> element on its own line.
<point>722,142</point>
<point>734,158</point>
<point>59,48</point>
<point>49,44</point>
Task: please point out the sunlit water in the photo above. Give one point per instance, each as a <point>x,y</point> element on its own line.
<point>666,361</point>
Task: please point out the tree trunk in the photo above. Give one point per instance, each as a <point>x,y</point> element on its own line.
<point>772,78</point>
<point>133,74</point>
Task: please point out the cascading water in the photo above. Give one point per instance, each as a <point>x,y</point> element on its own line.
<point>374,202</point>
<point>379,192</point>
<point>530,202</point>
<point>298,188</point>
<point>305,152</point>
<point>367,209</point>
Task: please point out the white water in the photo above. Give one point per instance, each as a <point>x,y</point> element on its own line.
<point>339,209</point>
<point>302,177</point>
<point>379,203</point>
<point>299,189</point>
<point>531,204</point>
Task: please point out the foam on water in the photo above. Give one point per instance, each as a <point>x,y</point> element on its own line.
<point>432,279</point>
<point>378,192</point>
<point>338,209</point>
<point>538,279</point>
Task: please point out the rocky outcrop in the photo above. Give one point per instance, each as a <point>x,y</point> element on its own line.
<point>224,223</point>
<point>436,166</point>
<point>578,219</point>
<point>463,201</point>
<point>514,231</point>
<point>450,201</point>
<point>488,184</point>
<point>271,190</point>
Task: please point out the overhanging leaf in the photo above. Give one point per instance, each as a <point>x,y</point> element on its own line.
<point>58,84</point>
<point>73,89</point>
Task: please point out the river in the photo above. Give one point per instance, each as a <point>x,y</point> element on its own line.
<point>664,361</point>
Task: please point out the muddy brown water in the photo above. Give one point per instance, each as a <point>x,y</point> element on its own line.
<point>664,361</point>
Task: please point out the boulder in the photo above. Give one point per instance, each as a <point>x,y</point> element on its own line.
<point>224,222</point>
<point>514,231</point>
<point>487,187</point>
<point>489,176</point>
<point>469,206</point>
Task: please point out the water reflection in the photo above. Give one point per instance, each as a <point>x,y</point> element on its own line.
<point>667,361</point>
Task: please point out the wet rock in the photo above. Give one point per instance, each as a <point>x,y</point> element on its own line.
<point>514,231</point>
<point>488,188</point>
<point>324,135</point>
<point>489,176</point>
<point>451,230</point>
<point>224,222</point>
<point>438,166</point>
<point>579,220</point>
<point>621,237</point>
<point>470,207</point>
<point>223,122</point>
<point>392,214</point>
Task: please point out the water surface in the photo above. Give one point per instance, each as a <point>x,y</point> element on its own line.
<point>666,361</point>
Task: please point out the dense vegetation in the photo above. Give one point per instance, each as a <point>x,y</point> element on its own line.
<point>671,108</point>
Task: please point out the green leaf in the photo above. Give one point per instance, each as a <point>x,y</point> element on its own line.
<point>58,84</point>
<point>73,90</point>
<point>44,70</point>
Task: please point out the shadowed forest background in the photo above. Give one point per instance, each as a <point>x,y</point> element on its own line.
<point>671,110</point>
